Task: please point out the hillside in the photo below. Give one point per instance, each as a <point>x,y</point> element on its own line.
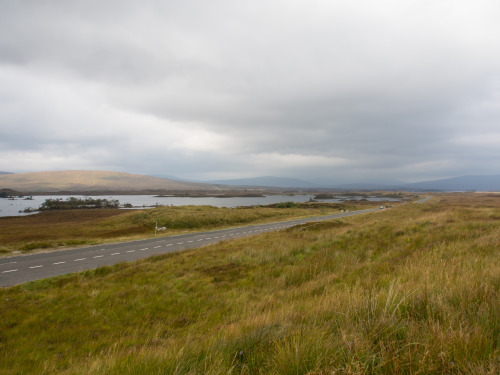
<point>410,290</point>
<point>74,181</point>
<point>462,183</point>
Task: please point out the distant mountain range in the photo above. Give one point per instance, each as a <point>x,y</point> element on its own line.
<point>170,177</point>
<point>267,181</point>
<point>93,181</point>
<point>463,183</point>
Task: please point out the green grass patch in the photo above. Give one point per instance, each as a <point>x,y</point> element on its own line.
<point>37,245</point>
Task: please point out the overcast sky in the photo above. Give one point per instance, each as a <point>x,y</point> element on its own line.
<point>327,90</point>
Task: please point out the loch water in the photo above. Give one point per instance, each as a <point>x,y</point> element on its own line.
<point>16,206</point>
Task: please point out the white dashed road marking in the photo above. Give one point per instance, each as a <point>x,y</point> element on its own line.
<point>200,237</point>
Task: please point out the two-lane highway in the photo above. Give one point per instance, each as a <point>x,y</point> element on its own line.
<point>20,269</point>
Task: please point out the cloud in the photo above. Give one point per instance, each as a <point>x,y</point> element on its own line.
<point>318,89</point>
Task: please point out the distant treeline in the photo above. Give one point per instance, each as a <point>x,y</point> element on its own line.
<point>73,203</point>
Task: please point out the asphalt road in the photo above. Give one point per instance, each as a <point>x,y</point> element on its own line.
<point>20,269</point>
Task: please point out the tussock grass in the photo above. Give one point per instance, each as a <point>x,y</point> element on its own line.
<point>412,290</point>
<point>57,229</point>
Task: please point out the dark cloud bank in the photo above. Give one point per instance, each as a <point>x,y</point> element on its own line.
<point>327,91</point>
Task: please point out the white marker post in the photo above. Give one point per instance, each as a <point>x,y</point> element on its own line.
<point>159,229</point>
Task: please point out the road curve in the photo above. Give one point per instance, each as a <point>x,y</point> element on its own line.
<point>20,269</point>
<point>424,199</point>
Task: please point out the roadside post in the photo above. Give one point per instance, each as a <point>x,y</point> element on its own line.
<point>159,229</point>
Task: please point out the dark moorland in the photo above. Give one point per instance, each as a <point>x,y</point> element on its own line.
<point>411,290</point>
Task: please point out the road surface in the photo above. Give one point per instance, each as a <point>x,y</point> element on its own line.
<point>20,269</point>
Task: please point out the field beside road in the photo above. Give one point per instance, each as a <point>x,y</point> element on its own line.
<point>69,228</point>
<point>413,289</point>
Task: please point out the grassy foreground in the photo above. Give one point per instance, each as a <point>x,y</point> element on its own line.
<point>411,290</point>
<point>59,229</point>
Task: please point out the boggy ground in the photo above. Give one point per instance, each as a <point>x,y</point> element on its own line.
<point>410,290</point>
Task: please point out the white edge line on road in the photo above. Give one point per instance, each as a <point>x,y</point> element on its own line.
<point>208,238</point>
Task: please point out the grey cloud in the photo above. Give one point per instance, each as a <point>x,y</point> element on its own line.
<point>396,89</point>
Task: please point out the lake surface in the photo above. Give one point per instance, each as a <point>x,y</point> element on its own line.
<point>10,207</point>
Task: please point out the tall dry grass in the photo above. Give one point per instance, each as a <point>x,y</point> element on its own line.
<point>58,229</point>
<point>413,290</point>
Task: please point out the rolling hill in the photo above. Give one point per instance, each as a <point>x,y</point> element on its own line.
<point>88,181</point>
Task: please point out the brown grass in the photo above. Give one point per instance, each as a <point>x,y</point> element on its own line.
<point>411,290</point>
<point>59,229</point>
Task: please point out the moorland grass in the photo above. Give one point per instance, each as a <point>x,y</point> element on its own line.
<point>411,290</point>
<point>58,229</point>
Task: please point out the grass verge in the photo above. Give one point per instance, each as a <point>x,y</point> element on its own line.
<point>59,229</point>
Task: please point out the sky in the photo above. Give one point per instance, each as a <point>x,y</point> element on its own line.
<point>323,90</point>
